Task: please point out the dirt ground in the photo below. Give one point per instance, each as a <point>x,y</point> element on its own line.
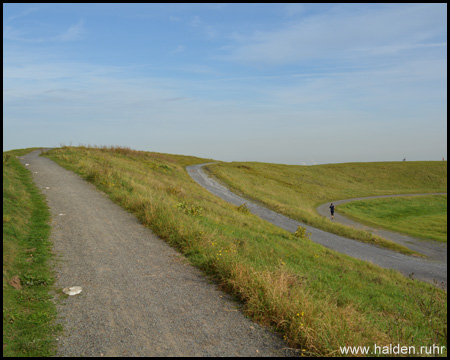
<point>139,296</point>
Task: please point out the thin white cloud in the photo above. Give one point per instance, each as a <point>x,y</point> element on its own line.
<point>73,33</point>
<point>24,13</point>
<point>179,49</point>
<point>195,69</point>
<point>294,9</point>
<point>395,49</point>
<point>209,30</point>
<point>340,33</point>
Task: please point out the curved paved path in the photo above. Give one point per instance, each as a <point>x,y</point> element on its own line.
<point>433,249</point>
<point>140,297</point>
<point>423,269</point>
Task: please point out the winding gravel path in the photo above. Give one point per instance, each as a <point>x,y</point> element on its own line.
<point>139,297</point>
<point>433,249</point>
<point>423,269</point>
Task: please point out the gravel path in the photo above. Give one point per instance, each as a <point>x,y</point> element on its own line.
<point>433,249</point>
<point>423,269</point>
<point>139,297</point>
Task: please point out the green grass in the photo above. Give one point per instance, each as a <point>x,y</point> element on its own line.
<point>28,313</point>
<point>317,298</point>
<point>419,216</point>
<point>296,191</point>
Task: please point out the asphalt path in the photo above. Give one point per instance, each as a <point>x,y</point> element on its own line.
<point>428,270</point>
<point>433,249</point>
<point>139,296</point>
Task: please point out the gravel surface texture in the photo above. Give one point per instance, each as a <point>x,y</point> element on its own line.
<point>423,269</point>
<point>139,296</point>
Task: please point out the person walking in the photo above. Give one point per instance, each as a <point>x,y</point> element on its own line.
<point>332,211</point>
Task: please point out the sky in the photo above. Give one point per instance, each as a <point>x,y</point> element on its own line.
<point>299,84</point>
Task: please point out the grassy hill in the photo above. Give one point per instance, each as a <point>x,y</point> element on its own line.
<point>296,191</point>
<point>316,298</point>
<point>422,217</point>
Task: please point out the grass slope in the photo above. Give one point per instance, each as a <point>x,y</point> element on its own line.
<point>419,216</point>
<point>28,312</point>
<point>296,191</point>
<point>317,298</point>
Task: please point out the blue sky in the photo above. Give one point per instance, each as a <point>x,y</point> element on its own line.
<point>282,83</point>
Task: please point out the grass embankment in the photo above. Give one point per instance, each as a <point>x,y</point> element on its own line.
<point>28,312</point>
<point>423,217</point>
<point>296,191</point>
<point>318,299</point>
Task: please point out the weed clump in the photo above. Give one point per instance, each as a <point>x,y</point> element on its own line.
<point>190,209</point>
<point>243,209</point>
<point>300,233</point>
